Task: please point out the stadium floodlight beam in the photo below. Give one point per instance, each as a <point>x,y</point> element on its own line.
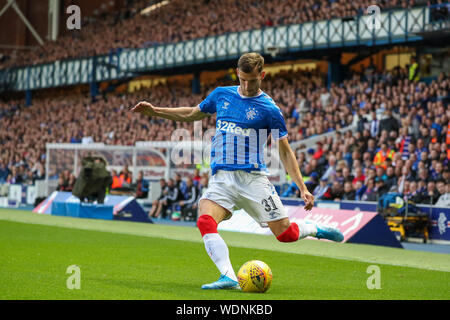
<point>23,18</point>
<point>153,7</point>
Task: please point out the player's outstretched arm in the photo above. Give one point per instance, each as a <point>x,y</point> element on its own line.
<point>289,161</point>
<point>186,114</point>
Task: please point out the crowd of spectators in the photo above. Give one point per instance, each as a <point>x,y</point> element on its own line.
<point>77,119</point>
<point>400,145</point>
<point>180,196</point>
<point>24,131</point>
<point>66,181</point>
<point>182,20</point>
<point>400,141</point>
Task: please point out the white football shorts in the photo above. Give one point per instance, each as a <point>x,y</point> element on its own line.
<point>252,192</point>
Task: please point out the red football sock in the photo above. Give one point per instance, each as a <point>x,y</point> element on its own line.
<point>206,224</point>
<point>291,234</point>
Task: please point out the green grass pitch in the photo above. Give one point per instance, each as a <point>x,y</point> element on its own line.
<point>126,260</point>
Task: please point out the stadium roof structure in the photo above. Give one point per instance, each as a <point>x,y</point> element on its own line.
<point>12,4</point>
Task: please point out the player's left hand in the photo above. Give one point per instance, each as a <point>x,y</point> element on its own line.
<point>309,200</point>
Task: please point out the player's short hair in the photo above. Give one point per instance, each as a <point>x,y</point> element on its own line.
<point>251,61</point>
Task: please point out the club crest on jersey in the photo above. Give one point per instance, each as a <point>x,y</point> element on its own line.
<point>251,113</point>
<point>225,105</point>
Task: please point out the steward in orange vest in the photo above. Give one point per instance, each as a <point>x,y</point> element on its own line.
<point>380,157</point>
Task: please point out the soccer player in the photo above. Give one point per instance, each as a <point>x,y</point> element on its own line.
<point>245,117</point>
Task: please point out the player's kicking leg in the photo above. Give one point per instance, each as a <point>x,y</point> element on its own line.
<point>210,215</point>
<point>286,231</point>
<point>261,201</point>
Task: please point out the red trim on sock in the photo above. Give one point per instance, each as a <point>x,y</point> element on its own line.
<point>291,234</point>
<point>206,224</point>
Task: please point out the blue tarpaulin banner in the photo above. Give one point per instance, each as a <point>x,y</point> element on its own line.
<point>122,207</point>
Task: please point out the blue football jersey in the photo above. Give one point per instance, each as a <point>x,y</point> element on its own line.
<point>243,125</point>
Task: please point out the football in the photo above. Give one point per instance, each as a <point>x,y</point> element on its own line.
<point>255,276</point>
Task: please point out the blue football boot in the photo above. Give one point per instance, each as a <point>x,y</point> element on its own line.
<point>329,233</point>
<point>223,283</point>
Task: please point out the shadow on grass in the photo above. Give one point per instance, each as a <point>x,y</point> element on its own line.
<point>174,290</point>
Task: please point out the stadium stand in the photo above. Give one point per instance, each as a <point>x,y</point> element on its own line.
<point>186,20</point>
<point>400,142</point>
<point>408,154</point>
<point>401,125</point>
